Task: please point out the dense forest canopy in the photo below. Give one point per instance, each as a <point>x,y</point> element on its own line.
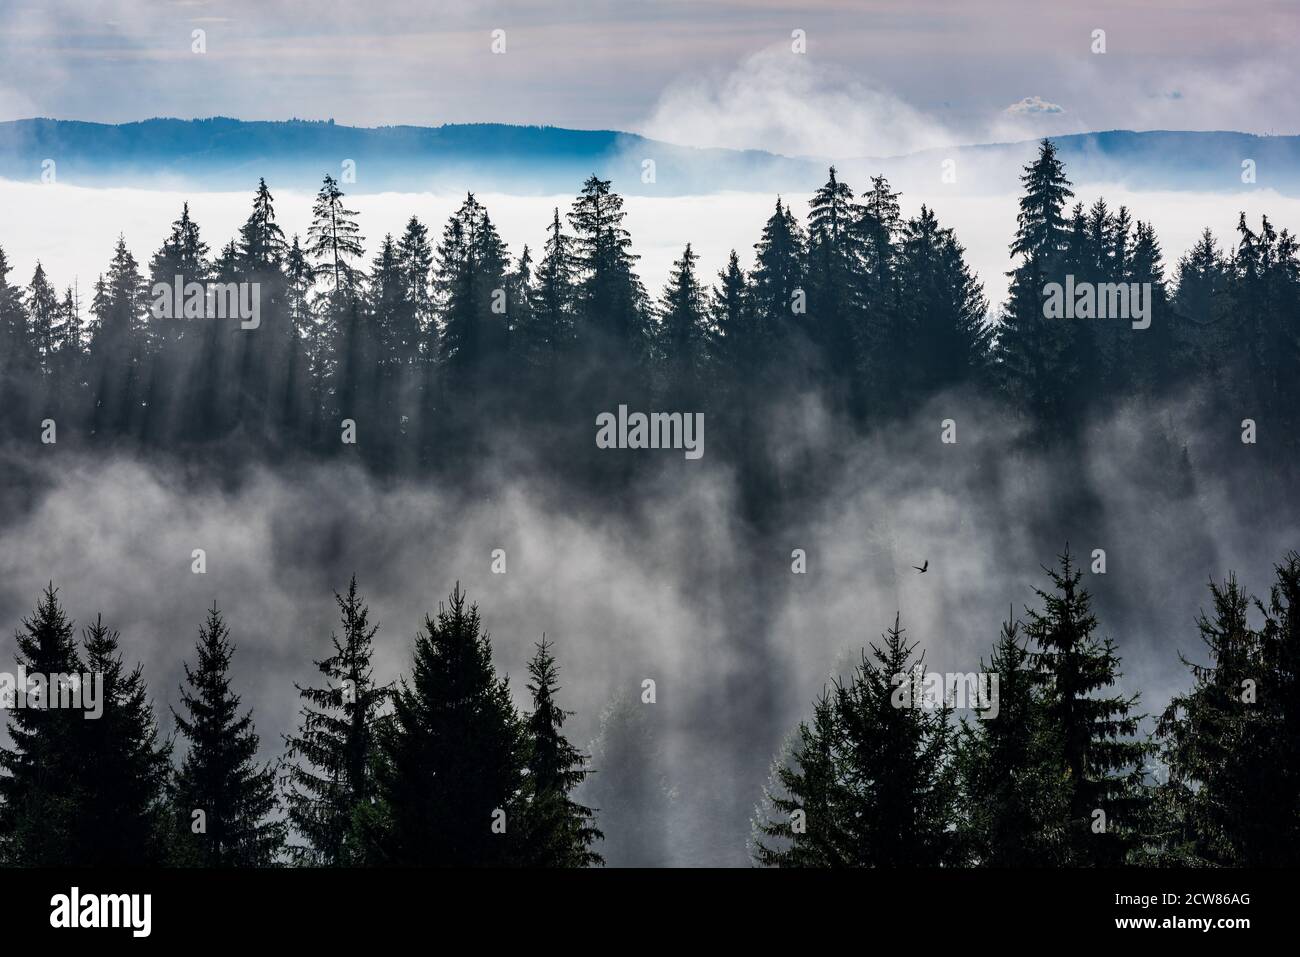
<point>410,355</point>
<point>411,337</point>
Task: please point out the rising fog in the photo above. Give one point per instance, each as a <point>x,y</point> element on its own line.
<point>668,580</point>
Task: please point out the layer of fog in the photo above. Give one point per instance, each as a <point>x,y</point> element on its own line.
<point>668,584</point>
<point>72,230</point>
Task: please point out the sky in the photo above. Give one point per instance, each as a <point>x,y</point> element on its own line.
<point>878,76</point>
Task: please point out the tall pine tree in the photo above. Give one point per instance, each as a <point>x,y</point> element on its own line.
<point>125,818</point>
<point>451,773</point>
<point>225,801</point>
<point>873,776</point>
<point>559,832</point>
<point>1099,756</point>
<point>331,757</point>
<point>39,796</point>
<point>1011,793</point>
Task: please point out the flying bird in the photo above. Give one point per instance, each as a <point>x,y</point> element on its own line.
<point>923,566</point>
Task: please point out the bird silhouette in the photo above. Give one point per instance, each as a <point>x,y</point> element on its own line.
<point>923,566</point>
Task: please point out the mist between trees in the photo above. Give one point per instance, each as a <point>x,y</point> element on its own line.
<point>862,406</point>
<point>440,769</point>
<point>438,340</point>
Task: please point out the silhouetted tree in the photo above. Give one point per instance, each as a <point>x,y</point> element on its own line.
<point>610,298</point>
<point>1102,761</point>
<point>124,818</point>
<point>1012,796</point>
<point>559,832</point>
<point>1209,740</point>
<point>944,306</point>
<point>225,802</point>
<point>39,795</point>
<point>453,755</point>
<point>331,757</point>
<point>469,283</point>
<point>835,278</point>
<point>810,799</point>
<point>876,771</point>
<point>1038,358</point>
<point>553,303</point>
<point>334,240</point>
<point>683,332</point>
<point>776,280</point>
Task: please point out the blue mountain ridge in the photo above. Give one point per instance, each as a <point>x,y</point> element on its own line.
<point>229,154</point>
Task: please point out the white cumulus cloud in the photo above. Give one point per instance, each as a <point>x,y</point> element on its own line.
<point>784,102</point>
<point>1034,104</point>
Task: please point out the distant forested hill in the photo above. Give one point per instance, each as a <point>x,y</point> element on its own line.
<point>222,153</point>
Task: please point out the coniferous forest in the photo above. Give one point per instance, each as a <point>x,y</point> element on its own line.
<point>443,357</point>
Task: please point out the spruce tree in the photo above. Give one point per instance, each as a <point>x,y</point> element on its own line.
<point>43,314</point>
<point>1201,281</point>
<point>777,277</point>
<point>559,832</point>
<point>300,275</point>
<point>834,278</point>
<point>732,318</point>
<point>945,307</point>
<point>125,818</point>
<point>182,254</point>
<point>261,240</point>
<point>898,762</point>
<point>470,266</point>
<point>69,353</point>
<point>804,825</point>
<point>331,757</point>
<point>15,344</point>
<point>554,298</point>
<point>18,359</point>
<point>684,333</point>
<point>186,342</point>
<point>1040,224</point>
<point>120,344</point>
<point>494,261</point>
<point>875,773</point>
<point>225,802</point>
<point>885,344</point>
<point>1099,756</point>
<point>311,352</point>
<point>1160,355</point>
<point>1099,350</point>
<point>1209,742</point>
<point>1122,242</point>
<point>1277,827</point>
<point>415,259</point>
<point>341,335</point>
<point>610,297</point>
<point>451,771</point>
<point>1040,360</point>
<point>455,286</point>
<point>40,802</point>
<point>1264,324</point>
<point>334,240</point>
<point>393,311</point>
<point>1011,794</point>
